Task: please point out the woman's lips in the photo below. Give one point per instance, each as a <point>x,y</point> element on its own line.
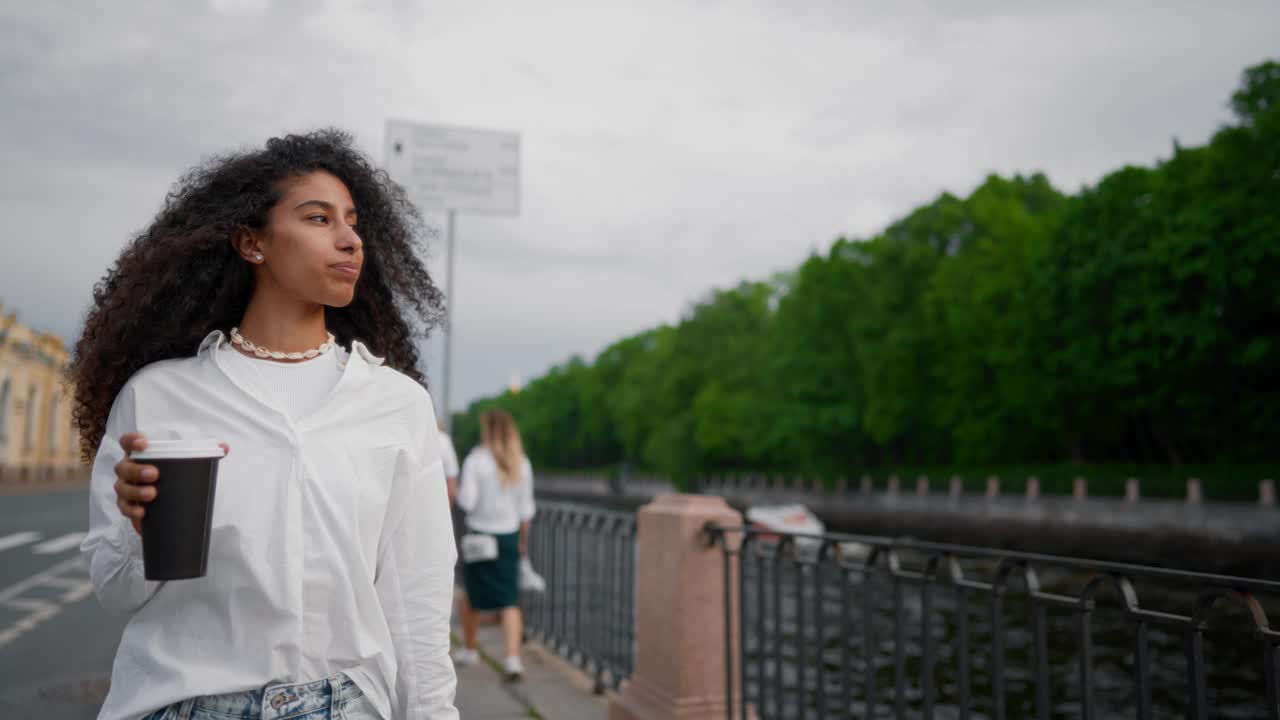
<point>350,270</point>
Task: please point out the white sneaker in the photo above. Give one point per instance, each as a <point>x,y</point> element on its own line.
<point>466,656</point>
<point>513,667</point>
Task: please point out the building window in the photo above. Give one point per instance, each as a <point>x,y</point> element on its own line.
<point>29,433</point>
<point>4,410</point>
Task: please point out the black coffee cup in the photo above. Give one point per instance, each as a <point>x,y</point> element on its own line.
<point>175,528</point>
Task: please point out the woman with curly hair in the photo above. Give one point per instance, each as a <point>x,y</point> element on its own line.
<point>272,306</point>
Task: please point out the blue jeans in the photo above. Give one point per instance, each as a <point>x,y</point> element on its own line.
<point>334,698</point>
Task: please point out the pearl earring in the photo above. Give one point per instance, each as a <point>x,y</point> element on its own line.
<point>258,257</point>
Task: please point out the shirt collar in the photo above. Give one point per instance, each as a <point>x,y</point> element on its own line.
<point>213,340</point>
<point>364,352</point>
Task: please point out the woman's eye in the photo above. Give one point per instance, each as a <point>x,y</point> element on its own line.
<point>319,218</point>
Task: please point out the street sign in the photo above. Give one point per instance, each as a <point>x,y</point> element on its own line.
<point>457,170</point>
<point>452,168</point>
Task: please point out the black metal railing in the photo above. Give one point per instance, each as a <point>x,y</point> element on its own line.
<point>587,614</point>
<point>845,626</point>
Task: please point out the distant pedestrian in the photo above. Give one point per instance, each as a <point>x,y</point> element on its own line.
<point>241,314</point>
<point>449,459</point>
<point>496,493</point>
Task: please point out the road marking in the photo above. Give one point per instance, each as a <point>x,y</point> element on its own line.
<point>13,591</point>
<point>59,544</point>
<point>68,575</point>
<point>18,539</point>
<point>62,582</point>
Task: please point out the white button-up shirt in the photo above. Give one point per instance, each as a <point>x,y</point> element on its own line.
<point>490,505</point>
<point>331,548</point>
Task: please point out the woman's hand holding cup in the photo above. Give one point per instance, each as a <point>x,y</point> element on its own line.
<point>136,482</point>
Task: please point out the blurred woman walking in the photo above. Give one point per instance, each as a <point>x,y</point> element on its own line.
<point>496,493</point>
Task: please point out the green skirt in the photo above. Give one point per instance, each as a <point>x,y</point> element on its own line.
<point>495,584</point>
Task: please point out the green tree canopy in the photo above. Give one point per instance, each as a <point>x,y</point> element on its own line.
<point>1135,321</point>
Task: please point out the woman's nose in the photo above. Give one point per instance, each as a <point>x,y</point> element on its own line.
<point>350,240</point>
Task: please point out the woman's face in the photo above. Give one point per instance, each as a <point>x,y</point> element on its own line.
<point>310,248</point>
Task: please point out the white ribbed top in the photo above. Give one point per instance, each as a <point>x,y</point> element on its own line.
<point>296,389</point>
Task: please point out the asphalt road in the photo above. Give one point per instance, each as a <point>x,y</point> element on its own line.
<point>56,642</point>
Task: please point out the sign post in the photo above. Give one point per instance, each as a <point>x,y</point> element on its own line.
<point>455,170</point>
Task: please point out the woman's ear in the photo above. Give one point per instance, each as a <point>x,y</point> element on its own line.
<point>247,246</point>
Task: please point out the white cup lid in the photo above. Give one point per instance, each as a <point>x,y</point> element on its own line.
<point>194,448</point>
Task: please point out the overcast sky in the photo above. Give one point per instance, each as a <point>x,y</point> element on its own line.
<point>669,146</point>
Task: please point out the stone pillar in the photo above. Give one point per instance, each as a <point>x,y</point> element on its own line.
<point>1267,493</point>
<point>865,485</point>
<point>955,487</point>
<point>1131,490</point>
<point>1033,488</point>
<point>1079,488</point>
<point>680,613</point>
<point>993,486</point>
<point>922,485</point>
<point>1194,493</point>
<point>893,485</point>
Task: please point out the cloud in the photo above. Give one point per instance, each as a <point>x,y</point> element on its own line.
<point>669,146</point>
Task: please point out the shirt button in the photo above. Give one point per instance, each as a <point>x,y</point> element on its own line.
<point>278,700</point>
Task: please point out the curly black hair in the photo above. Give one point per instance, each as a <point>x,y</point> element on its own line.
<point>181,278</point>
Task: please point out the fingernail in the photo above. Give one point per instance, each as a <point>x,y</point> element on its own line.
<point>150,474</point>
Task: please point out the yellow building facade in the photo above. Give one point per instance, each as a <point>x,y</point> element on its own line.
<point>37,441</point>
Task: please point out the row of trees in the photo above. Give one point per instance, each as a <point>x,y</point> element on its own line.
<point>1135,321</point>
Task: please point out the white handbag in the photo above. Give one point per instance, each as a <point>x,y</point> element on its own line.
<point>530,580</point>
<point>478,547</point>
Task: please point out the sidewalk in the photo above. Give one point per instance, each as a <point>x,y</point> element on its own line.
<point>551,688</point>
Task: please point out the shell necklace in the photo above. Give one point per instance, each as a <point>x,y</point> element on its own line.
<point>258,351</point>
